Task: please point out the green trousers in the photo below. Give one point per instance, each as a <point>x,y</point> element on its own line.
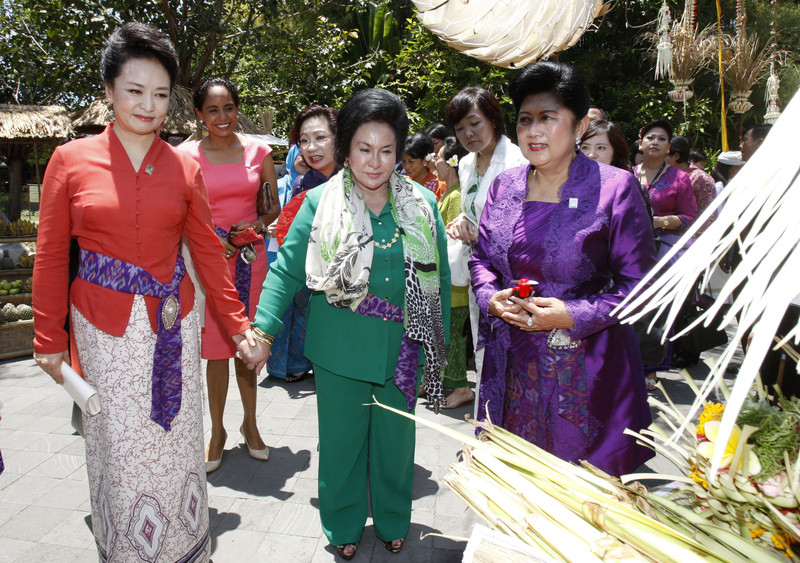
<point>455,374</point>
<point>360,444</point>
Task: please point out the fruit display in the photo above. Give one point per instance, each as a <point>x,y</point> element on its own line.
<point>11,314</point>
<point>26,260</point>
<point>14,287</point>
<point>18,228</point>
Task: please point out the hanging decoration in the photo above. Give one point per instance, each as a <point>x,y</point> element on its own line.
<point>773,82</point>
<point>746,63</point>
<point>664,44</point>
<point>680,51</point>
<point>509,34</point>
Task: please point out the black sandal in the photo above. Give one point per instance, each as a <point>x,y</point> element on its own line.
<point>290,378</point>
<point>394,548</point>
<point>340,549</point>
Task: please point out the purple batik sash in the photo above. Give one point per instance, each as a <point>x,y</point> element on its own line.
<point>127,278</point>
<point>243,273</point>
<point>405,376</point>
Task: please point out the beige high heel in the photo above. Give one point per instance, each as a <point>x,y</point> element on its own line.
<point>256,454</point>
<point>213,465</point>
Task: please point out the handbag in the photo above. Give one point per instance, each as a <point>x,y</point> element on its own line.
<point>265,202</point>
<point>652,350</point>
<point>458,255</point>
<point>248,236</point>
<point>701,338</point>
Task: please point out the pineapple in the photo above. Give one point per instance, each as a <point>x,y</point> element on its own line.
<point>25,312</point>
<point>10,312</point>
<point>6,263</point>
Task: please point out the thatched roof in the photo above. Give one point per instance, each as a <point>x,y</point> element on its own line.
<point>181,119</point>
<point>34,123</point>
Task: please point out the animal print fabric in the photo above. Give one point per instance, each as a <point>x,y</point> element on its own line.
<point>148,486</point>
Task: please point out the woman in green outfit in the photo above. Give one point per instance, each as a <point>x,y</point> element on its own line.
<point>455,374</point>
<point>370,245</point>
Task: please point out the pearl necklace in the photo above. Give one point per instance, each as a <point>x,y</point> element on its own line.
<point>391,242</point>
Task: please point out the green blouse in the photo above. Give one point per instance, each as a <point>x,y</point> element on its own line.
<point>450,208</point>
<point>337,339</point>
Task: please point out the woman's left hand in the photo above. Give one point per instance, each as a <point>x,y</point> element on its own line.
<point>236,230</point>
<point>246,344</point>
<point>543,313</point>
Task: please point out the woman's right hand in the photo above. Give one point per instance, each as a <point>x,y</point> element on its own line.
<point>51,364</point>
<point>230,250</point>
<point>462,229</point>
<point>499,304</point>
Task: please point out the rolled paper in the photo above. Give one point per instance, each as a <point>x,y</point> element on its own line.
<point>81,392</point>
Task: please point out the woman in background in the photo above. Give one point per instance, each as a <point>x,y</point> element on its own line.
<point>455,374</point>
<point>419,147</point>
<point>234,168</point>
<point>314,132</point>
<point>672,198</point>
<point>475,116</point>
<point>604,142</point>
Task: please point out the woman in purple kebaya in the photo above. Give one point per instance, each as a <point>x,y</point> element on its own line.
<point>559,370</point>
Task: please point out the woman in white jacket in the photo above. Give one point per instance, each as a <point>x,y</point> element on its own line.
<point>477,120</point>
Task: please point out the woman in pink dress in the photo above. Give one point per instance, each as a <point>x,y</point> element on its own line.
<point>234,169</point>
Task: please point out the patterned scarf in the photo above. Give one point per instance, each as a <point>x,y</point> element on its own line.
<point>339,260</point>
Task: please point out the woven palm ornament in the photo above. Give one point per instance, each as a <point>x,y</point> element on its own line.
<point>508,34</point>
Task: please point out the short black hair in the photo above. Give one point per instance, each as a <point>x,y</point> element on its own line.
<point>453,148</point>
<point>759,131</point>
<point>681,146</point>
<point>615,138</point>
<point>697,156</point>
<point>636,149</point>
<point>201,92</point>
<point>662,123</point>
<point>419,145</point>
<point>314,110</point>
<point>137,41</point>
<point>371,104</point>
<point>563,81</point>
<point>438,131</point>
<point>474,96</point>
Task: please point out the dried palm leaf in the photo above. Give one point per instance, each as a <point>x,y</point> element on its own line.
<point>508,34</point>
<point>760,214</point>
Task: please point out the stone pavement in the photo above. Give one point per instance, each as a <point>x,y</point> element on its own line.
<point>259,511</point>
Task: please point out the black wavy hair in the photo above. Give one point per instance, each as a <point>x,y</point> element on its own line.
<point>681,146</point>
<point>662,123</point>
<point>419,145</point>
<point>453,147</point>
<point>563,81</point>
<point>437,131</point>
<point>201,92</point>
<point>135,40</point>
<point>371,104</point>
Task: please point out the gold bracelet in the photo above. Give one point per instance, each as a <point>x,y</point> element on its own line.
<point>261,336</point>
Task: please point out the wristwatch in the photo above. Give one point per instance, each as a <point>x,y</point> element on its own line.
<point>666,223</point>
<point>259,222</point>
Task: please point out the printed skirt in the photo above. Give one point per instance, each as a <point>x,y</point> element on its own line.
<point>148,486</point>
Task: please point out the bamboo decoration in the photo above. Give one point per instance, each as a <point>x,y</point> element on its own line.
<point>760,215</point>
<point>746,63</point>
<point>509,34</point>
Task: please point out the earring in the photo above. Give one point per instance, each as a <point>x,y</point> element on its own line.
<point>577,144</point>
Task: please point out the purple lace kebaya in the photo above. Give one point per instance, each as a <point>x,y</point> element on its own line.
<point>598,233</point>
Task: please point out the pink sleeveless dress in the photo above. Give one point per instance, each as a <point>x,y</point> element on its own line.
<point>232,191</point>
